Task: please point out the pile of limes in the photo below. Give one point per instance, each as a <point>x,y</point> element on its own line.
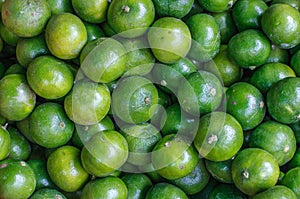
<point>155,99</point>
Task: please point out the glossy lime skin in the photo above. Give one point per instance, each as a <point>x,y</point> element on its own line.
<point>137,185</point>
<point>295,161</point>
<point>91,11</point>
<point>15,69</point>
<point>19,180</point>
<point>224,191</point>
<point>169,39</point>
<point>141,139</point>
<point>278,55</point>
<point>47,193</point>
<point>30,48</point>
<point>171,75</point>
<point>216,5</point>
<point>134,100</point>
<point>104,153</point>
<point>172,8</point>
<point>291,180</point>
<point>83,133</point>
<point>226,25</point>
<point>108,187</point>
<point>165,191</point>
<point>283,100</point>
<point>281,23</point>
<point>206,37</point>
<point>221,171</point>
<point>20,148</point>
<point>49,125</point>
<point>60,6</point>
<point>17,100</point>
<point>4,142</point>
<point>84,109</point>
<point>221,141</point>
<point>195,181</point>
<point>173,158</point>
<point>247,14</point>
<point>130,18</point>
<point>65,169</point>
<point>295,63</point>
<point>201,93</point>
<point>254,170</point>
<point>23,127</point>
<point>246,104</point>
<point>293,3</point>
<point>25,18</point>
<point>96,60</point>
<point>278,139</point>
<point>49,77</point>
<point>224,67</point>
<point>249,48</point>
<point>8,36</point>
<point>93,31</point>
<point>269,74</point>
<point>39,168</point>
<point>67,29</point>
<point>278,191</point>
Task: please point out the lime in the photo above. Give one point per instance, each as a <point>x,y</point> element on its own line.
<point>93,11</point>
<point>292,180</point>
<point>178,9</point>
<point>278,191</point>
<point>221,171</point>
<point>8,36</point>
<point>165,191</point>
<point>47,193</point>
<point>217,5</point>
<point>4,142</point>
<point>224,191</point>
<point>60,6</point>
<point>137,185</point>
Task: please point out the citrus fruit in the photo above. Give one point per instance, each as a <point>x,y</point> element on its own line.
<point>49,77</point>
<point>8,36</point>
<point>249,48</point>
<point>108,187</point>
<point>93,31</point>
<point>104,153</point>
<point>103,60</point>
<point>60,6</point>
<point>4,142</point>
<point>19,180</point>
<point>130,18</point>
<point>91,11</point>
<point>66,29</point>
<point>169,39</point>
<point>283,100</point>
<point>222,140</point>
<point>279,55</point>
<point>224,191</point>
<point>246,103</point>
<point>165,190</point>
<point>20,148</point>
<point>25,18</point>
<point>173,158</point>
<point>65,169</point>
<point>254,170</point>
<point>206,37</point>
<point>278,191</point>
<point>281,23</point>
<point>178,9</point>
<point>291,180</point>
<point>87,103</point>
<point>134,100</point>
<point>294,63</point>
<point>17,100</point>
<point>137,185</point>
<point>221,171</point>
<point>47,193</point>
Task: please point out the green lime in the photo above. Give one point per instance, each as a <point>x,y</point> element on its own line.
<point>65,169</point>
<point>283,100</point>
<point>17,100</point>
<point>84,109</point>
<point>247,14</point>
<point>278,191</point>
<point>93,11</point>
<point>217,5</point>
<point>23,127</point>
<point>278,55</point>
<point>221,141</point>
<point>108,187</point>
<point>104,153</point>
<point>281,23</point>
<point>15,69</point>
<point>103,60</point>
<point>134,100</point>
<point>201,93</point>
<point>60,6</point>
<point>254,170</point>
<point>221,171</point>
<point>249,48</point>
<point>295,63</point>
<point>173,158</point>
<point>137,185</point>
<point>195,181</point>
<point>66,29</point>
<point>7,36</point>
<point>47,193</point>
<point>206,37</point>
<point>178,9</point>
<point>49,125</point>
<point>295,161</point>
<point>246,103</point>
<point>165,191</point>
<point>225,191</point>
<point>25,18</point>
<point>293,3</point>
<point>49,77</point>
<point>169,39</point>
<point>93,31</point>
<point>4,143</point>
<point>292,180</point>
<point>130,18</point>
<point>269,74</point>
<point>18,178</point>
